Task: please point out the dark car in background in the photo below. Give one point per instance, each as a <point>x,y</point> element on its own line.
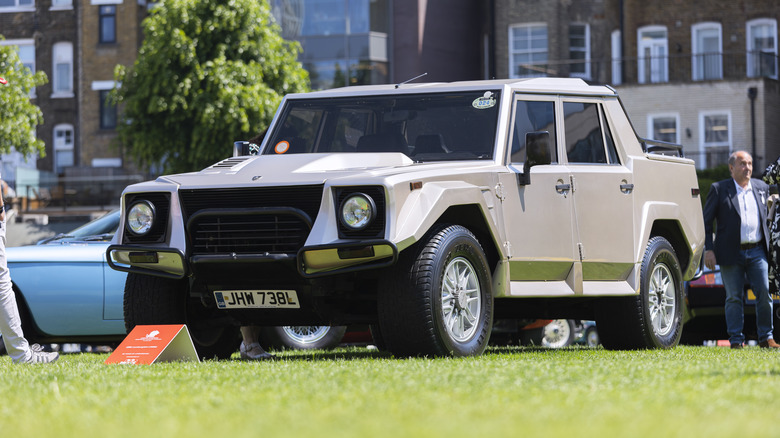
<point>704,313</point>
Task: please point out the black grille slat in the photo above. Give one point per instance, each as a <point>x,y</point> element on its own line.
<point>274,220</point>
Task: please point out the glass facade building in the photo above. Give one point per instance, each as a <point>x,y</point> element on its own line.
<point>345,42</point>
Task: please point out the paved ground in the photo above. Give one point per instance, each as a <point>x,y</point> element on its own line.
<point>28,232</point>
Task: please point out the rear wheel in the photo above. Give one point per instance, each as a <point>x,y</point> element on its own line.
<point>302,337</point>
<point>153,300</point>
<point>652,319</point>
<point>438,300</point>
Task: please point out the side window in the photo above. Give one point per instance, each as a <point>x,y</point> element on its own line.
<point>532,116</point>
<point>611,148</point>
<point>584,140</point>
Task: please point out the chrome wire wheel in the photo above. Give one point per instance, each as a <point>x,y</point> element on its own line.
<point>461,299</point>
<point>306,334</point>
<point>662,301</point>
<point>557,334</point>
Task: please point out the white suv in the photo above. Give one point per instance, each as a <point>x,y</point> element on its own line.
<point>427,211</point>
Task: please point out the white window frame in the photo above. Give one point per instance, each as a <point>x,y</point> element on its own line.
<point>60,147</point>
<point>527,50</point>
<point>702,128</point>
<point>61,5</point>
<point>659,55</point>
<point>62,54</point>
<point>698,63</point>
<point>617,58</point>
<point>28,62</point>
<point>650,125</point>
<point>749,29</point>
<point>19,6</point>
<point>586,50</point>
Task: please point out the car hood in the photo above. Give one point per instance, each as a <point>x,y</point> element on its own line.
<point>68,253</point>
<point>301,169</point>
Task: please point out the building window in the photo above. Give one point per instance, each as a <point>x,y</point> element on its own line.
<point>26,50</point>
<point>653,49</point>
<point>707,59</point>
<point>715,134</point>
<point>107,24</point>
<point>579,50</point>
<point>762,48</point>
<point>61,4</point>
<point>617,58</point>
<point>62,60</point>
<point>108,114</point>
<point>63,147</point>
<point>528,50</point>
<point>663,127</point>
<point>10,5</point>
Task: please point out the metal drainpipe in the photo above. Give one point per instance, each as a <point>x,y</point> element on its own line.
<point>752,93</point>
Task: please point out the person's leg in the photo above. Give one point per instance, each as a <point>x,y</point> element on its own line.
<point>250,347</point>
<point>10,322</point>
<point>756,268</point>
<point>734,282</point>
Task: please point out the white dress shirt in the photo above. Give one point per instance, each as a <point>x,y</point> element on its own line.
<point>750,230</point>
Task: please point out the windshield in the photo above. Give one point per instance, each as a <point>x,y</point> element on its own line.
<point>425,127</point>
<point>100,229</point>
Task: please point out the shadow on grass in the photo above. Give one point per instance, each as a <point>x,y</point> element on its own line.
<point>361,353</point>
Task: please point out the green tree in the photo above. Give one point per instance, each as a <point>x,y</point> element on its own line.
<point>208,73</point>
<point>18,115</point>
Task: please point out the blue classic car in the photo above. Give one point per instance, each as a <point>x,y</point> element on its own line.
<point>65,289</point>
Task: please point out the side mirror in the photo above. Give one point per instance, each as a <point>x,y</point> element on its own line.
<point>240,148</point>
<point>537,151</point>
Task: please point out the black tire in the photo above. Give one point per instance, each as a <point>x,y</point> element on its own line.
<point>652,319</point>
<point>153,300</point>
<point>379,340</point>
<point>418,306</point>
<point>310,337</point>
<point>2,346</point>
<point>558,334</point>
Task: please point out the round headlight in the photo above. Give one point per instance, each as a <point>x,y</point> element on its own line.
<point>140,217</point>
<point>357,211</point>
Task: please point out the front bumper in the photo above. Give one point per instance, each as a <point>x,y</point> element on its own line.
<point>312,261</point>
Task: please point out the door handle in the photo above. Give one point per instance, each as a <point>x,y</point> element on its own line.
<point>626,188</point>
<point>562,188</point>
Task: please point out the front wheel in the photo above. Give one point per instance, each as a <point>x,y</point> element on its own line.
<point>438,300</point>
<point>652,319</point>
<point>151,300</point>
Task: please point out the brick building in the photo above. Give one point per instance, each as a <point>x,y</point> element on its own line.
<point>703,74</point>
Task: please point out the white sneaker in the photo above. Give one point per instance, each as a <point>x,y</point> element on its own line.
<point>37,355</point>
<point>254,351</point>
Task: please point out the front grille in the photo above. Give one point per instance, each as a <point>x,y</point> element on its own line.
<point>274,220</point>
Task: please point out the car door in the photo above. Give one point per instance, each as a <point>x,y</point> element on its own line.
<point>603,196</point>
<point>538,217</point>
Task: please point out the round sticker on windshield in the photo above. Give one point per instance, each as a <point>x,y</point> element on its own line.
<point>488,100</point>
<point>282,147</point>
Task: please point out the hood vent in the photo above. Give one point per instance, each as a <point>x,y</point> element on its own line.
<point>230,162</point>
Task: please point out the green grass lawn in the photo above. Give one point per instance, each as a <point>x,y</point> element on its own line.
<point>355,392</point>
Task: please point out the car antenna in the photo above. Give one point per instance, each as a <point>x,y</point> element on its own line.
<point>410,80</point>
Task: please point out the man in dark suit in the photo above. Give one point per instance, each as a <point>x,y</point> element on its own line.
<point>741,245</point>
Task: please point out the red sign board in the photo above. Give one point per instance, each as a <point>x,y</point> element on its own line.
<point>148,344</point>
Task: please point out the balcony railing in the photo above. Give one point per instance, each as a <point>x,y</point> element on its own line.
<point>679,67</point>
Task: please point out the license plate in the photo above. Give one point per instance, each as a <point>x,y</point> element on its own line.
<point>751,296</point>
<point>257,299</point>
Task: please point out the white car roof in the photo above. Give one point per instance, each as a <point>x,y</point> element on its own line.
<point>529,85</point>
